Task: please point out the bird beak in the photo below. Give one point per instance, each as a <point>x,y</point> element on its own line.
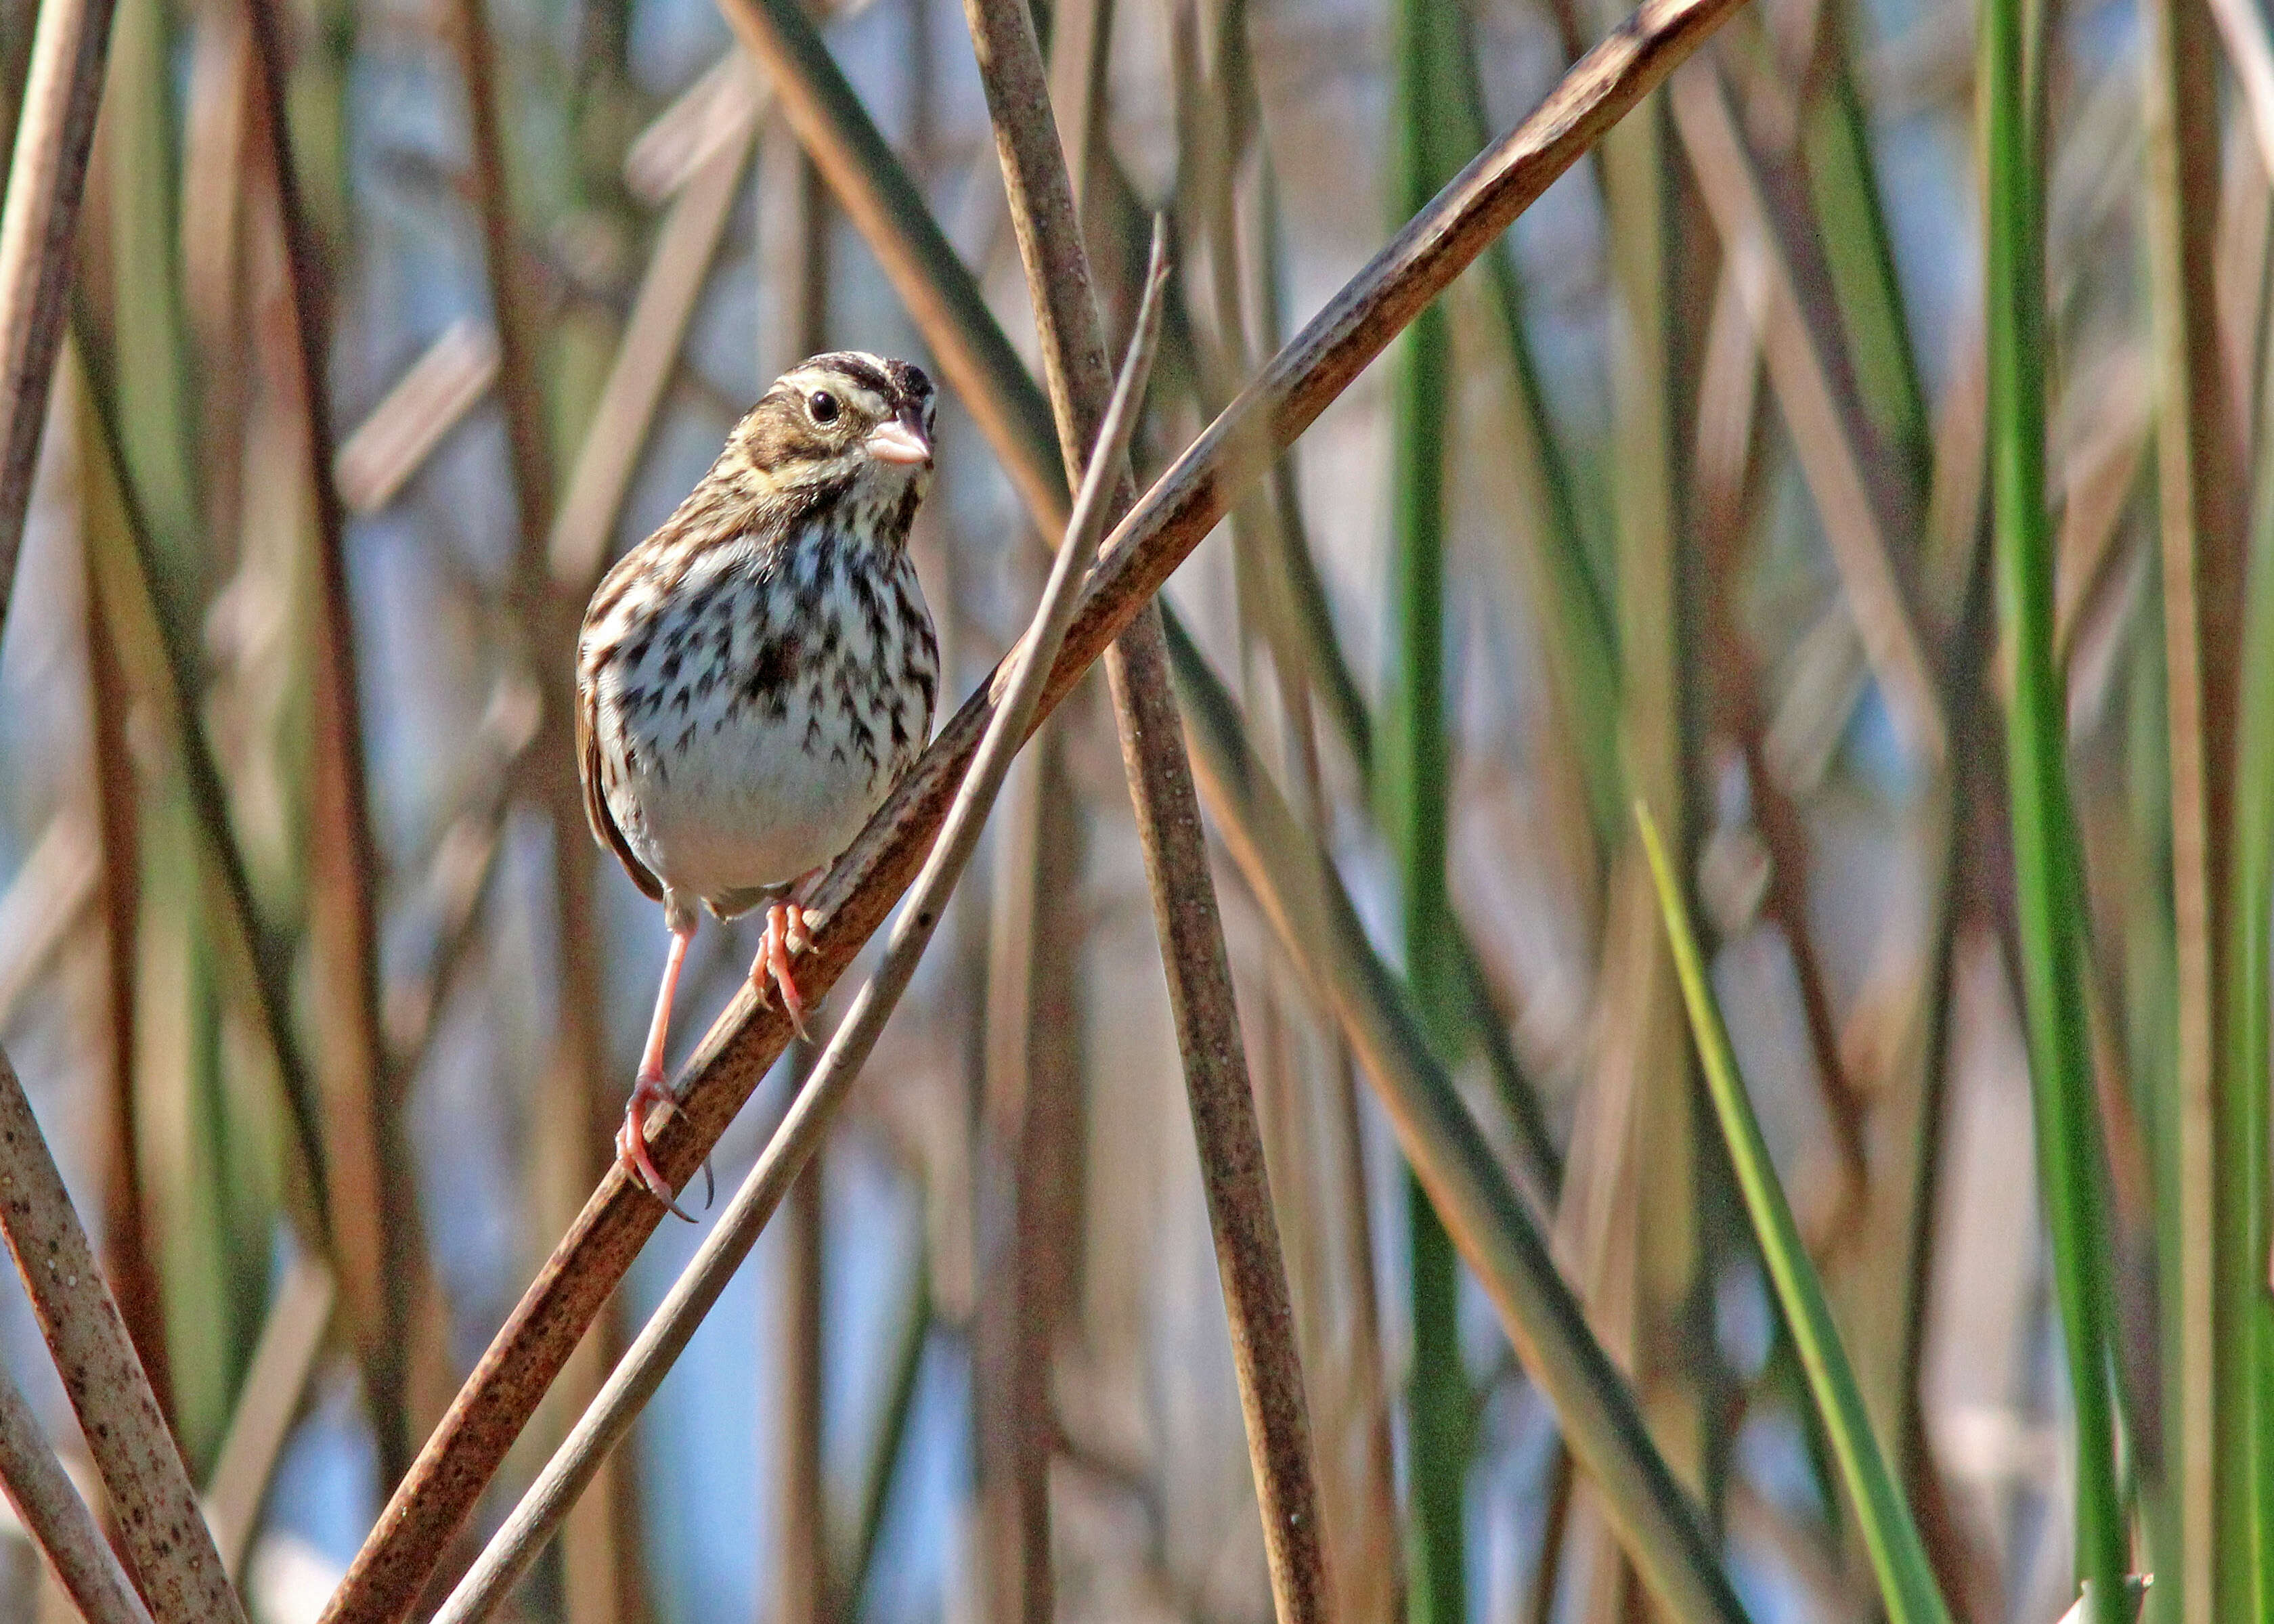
<point>898,441</point>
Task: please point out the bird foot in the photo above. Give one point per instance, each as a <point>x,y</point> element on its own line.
<point>631,1144</point>
<point>786,934</point>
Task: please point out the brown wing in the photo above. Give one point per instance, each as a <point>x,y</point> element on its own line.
<point>596,797</point>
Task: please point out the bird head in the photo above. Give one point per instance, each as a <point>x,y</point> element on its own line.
<point>845,418</point>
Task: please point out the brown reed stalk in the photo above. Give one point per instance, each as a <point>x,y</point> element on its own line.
<point>800,1548</point>
<point>374,1208</point>
<point>685,244</point>
<point>1047,224</point>
<point>602,1569</point>
<point>163,1528</point>
<point>526,447</point>
<point>126,1250</point>
<point>39,228</point>
<point>432,1504</point>
<point>1025,1211</point>
<point>794,237</point>
<point>49,1506</point>
<point>2202,476</point>
<point>276,1376</point>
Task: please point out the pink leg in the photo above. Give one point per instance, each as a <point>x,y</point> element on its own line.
<point>784,935</point>
<point>648,1090</point>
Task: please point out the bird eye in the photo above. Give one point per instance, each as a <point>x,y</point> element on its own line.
<point>823,406</point>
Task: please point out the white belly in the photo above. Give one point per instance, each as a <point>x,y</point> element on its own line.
<point>748,807</point>
<point>754,747</point>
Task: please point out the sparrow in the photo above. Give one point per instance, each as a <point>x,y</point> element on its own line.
<point>754,678</point>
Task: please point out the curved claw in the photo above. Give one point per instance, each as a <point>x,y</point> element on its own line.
<point>785,934</point>
<point>631,1146</point>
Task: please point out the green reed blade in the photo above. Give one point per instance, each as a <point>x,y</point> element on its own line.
<point>2047,863</point>
<point>1899,1560</point>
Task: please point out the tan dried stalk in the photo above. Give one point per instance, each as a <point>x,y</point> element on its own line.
<point>1046,221</point>
<point>126,1250</point>
<point>517,341</point>
<point>374,1208</point>
<point>799,1551</point>
<point>49,1506</point>
<point>39,227</point>
<point>794,235</point>
<point>2200,476</point>
<point>1026,1106</point>
<point>685,245</point>
<point>161,1526</point>
<point>54,887</point>
<point>275,1378</point>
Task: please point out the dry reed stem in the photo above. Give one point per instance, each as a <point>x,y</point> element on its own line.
<point>38,228</point>
<point>269,1402</point>
<point>160,1525</point>
<point>1022,1233</point>
<point>2201,474</point>
<point>48,1504</point>
<point>800,1580</point>
<point>127,1254</point>
<point>397,436</point>
<point>456,882</point>
<point>1258,1316</point>
<point>708,113</point>
<point>794,236</point>
<point>635,1380</point>
<point>1081,39</point>
<point>432,1504</point>
<point>374,1208</point>
<point>531,461</point>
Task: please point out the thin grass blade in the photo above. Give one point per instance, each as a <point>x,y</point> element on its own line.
<point>1905,1583</point>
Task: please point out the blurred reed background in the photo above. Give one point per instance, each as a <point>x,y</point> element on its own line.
<point>1714,487</point>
